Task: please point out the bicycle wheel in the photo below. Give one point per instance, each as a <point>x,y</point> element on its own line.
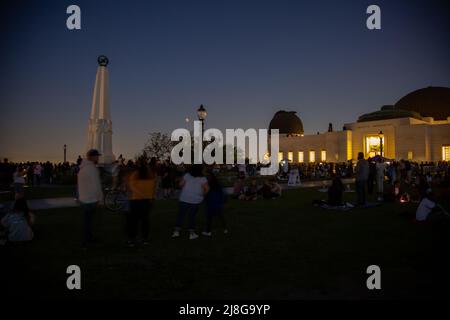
<point>122,201</point>
<point>114,200</point>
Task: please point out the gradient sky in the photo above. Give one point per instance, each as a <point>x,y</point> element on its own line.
<point>243,60</point>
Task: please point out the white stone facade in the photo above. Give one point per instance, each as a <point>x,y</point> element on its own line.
<point>100,125</point>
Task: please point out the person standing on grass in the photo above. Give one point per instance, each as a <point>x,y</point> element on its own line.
<point>19,183</point>
<point>380,168</point>
<point>30,174</point>
<point>89,192</point>
<point>194,187</point>
<point>372,175</point>
<point>276,189</point>
<point>141,187</point>
<point>215,201</point>
<point>239,187</point>
<point>361,176</point>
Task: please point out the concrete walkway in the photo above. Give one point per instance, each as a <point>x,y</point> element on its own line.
<point>312,184</point>
<point>50,203</point>
<point>53,203</point>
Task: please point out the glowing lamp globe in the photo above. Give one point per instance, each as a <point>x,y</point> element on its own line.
<point>201,112</point>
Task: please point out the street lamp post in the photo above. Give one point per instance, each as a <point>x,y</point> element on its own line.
<point>201,112</point>
<point>381,143</point>
<point>65,153</point>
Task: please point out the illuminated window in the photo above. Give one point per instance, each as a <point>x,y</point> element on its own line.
<point>280,156</point>
<point>301,157</point>
<point>323,155</point>
<point>312,156</point>
<point>374,145</point>
<point>410,155</point>
<point>446,153</point>
<point>290,156</point>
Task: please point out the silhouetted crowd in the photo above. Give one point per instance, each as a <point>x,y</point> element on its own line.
<point>37,173</point>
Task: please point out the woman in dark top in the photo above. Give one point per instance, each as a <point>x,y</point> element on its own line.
<point>335,192</point>
<point>215,201</point>
<point>166,182</point>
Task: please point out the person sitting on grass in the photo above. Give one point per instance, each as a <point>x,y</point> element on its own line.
<point>276,189</point>
<point>392,193</point>
<point>336,192</point>
<point>3,212</point>
<point>166,184</point>
<point>270,190</point>
<point>251,194</point>
<point>239,187</point>
<point>18,222</point>
<point>429,211</point>
<point>335,195</point>
<point>215,201</point>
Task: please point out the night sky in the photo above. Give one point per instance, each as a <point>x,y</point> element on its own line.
<point>243,60</point>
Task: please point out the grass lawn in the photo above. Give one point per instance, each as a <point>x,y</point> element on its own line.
<point>281,249</point>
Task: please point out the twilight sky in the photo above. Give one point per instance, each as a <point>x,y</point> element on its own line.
<point>243,60</point>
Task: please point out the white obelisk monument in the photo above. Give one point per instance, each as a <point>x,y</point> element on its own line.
<point>100,125</point>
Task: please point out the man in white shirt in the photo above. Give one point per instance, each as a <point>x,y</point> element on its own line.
<point>429,210</point>
<point>89,192</point>
<point>424,209</point>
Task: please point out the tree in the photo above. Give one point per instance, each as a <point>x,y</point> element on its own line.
<point>235,151</point>
<point>158,145</point>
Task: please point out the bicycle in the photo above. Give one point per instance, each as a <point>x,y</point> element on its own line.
<point>115,199</point>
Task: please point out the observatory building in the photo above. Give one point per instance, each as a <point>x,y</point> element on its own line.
<point>416,128</point>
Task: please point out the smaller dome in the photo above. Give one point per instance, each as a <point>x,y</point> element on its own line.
<point>287,122</point>
<point>387,107</point>
<point>389,112</point>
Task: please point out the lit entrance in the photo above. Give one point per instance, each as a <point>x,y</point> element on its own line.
<point>446,153</point>
<point>375,145</point>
